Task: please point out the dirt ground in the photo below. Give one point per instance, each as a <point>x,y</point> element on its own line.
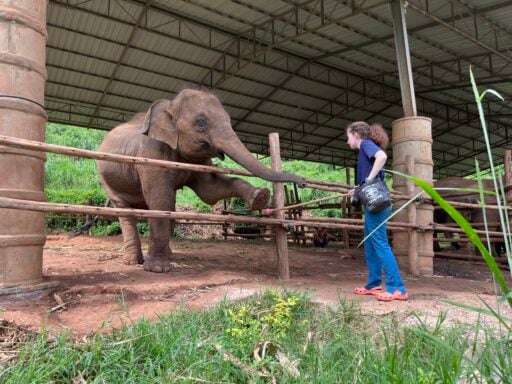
<point>100,292</point>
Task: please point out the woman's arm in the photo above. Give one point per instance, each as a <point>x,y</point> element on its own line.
<point>380,160</point>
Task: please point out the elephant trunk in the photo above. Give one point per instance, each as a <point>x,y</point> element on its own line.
<point>231,145</point>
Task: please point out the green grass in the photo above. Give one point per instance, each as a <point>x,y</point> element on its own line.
<point>339,345</point>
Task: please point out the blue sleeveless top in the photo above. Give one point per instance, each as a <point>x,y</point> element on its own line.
<point>366,159</point>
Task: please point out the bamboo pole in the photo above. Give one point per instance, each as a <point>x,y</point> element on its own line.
<point>128,212</point>
<point>346,207</point>
<point>326,222</point>
<point>411,218</point>
<point>281,238</point>
<point>471,205</point>
<point>464,257</point>
<point>64,150</point>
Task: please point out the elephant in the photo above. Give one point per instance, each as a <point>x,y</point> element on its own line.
<point>473,215</point>
<point>192,128</point>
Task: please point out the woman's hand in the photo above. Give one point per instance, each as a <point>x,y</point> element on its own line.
<point>351,192</point>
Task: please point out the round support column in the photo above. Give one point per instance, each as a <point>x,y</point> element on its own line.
<point>22,79</point>
<point>412,136</point>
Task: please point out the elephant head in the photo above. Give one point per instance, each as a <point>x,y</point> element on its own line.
<point>196,124</point>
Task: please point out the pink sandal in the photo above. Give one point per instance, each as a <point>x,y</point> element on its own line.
<point>386,296</point>
<point>371,291</point>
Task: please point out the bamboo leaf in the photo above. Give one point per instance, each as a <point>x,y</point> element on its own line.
<point>466,227</point>
<point>495,93</point>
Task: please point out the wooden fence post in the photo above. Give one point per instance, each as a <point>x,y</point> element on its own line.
<point>278,196</point>
<point>411,216</point>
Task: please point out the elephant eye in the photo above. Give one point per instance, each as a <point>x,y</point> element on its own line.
<point>202,122</point>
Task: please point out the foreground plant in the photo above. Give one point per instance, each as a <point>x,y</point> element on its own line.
<point>295,341</point>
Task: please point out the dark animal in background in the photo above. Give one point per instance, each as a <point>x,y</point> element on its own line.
<point>473,215</point>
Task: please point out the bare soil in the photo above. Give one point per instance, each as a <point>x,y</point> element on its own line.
<point>99,292</point>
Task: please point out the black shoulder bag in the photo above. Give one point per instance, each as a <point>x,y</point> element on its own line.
<point>374,195</point>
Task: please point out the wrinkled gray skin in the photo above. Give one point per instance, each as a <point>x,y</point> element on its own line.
<point>473,215</point>
<point>192,128</point>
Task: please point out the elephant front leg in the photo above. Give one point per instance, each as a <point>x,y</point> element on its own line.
<point>213,187</point>
<point>131,241</point>
<point>159,251</point>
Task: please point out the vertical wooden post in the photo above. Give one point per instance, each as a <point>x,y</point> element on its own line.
<point>225,225</point>
<point>278,202</point>
<point>411,216</point>
<point>302,229</point>
<point>346,204</point>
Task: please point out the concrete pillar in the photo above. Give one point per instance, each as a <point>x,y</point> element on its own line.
<point>412,136</point>
<point>22,79</point>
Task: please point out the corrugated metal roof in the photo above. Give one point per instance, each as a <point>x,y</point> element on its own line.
<point>301,68</point>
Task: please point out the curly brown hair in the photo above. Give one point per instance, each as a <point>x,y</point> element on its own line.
<point>373,132</point>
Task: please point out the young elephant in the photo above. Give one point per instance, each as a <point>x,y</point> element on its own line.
<point>192,128</point>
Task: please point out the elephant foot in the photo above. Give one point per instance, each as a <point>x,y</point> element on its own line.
<point>133,259</point>
<point>259,198</point>
<point>157,264</point>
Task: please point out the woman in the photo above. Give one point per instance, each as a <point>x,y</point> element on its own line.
<point>371,141</point>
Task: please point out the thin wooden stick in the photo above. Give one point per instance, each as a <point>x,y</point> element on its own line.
<point>338,196</point>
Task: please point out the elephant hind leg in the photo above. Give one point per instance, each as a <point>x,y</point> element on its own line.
<point>131,241</point>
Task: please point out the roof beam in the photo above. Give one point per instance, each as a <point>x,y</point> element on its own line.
<point>139,21</point>
<point>383,89</point>
<point>466,35</point>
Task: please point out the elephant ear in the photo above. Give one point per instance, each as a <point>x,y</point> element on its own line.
<point>160,123</point>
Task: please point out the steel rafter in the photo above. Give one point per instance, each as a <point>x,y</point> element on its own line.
<point>364,11</point>
<point>129,41</point>
<point>310,62</point>
<point>360,92</point>
<point>381,94</point>
<point>431,68</point>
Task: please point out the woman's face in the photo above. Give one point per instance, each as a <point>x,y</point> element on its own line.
<point>353,140</point>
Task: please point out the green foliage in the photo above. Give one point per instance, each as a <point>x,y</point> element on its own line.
<point>269,319</point>
<point>106,229</point>
<point>96,196</point>
<point>64,172</point>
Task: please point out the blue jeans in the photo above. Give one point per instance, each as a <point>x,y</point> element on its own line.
<point>378,254</point>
